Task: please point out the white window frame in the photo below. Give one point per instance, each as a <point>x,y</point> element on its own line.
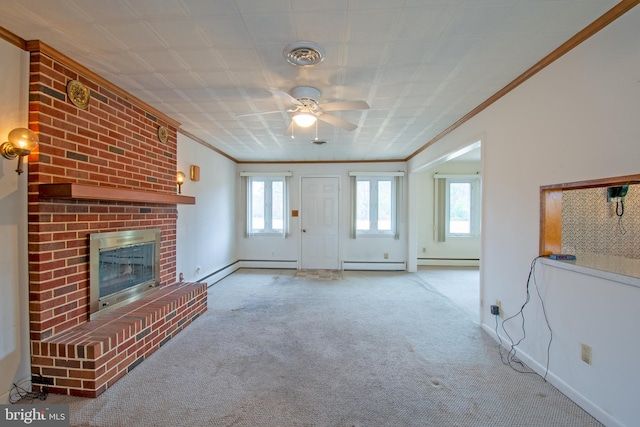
<point>475,183</point>
<point>268,179</point>
<point>374,179</point>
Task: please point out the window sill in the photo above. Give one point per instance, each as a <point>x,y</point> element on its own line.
<point>616,269</point>
<point>376,235</point>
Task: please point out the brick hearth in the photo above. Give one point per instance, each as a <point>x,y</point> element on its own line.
<point>113,143</point>
<point>88,359</point>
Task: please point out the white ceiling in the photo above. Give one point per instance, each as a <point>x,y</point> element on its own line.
<point>420,64</point>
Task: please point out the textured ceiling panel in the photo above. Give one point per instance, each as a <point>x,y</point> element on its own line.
<point>419,64</point>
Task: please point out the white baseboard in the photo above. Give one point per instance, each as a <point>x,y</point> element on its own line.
<point>592,408</point>
<point>374,266</point>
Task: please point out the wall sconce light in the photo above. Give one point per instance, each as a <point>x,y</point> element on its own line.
<point>194,173</point>
<point>21,143</point>
<point>180,181</point>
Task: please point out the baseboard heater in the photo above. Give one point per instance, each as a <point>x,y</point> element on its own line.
<point>269,263</point>
<point>374,265</point>
<point>220,273</point>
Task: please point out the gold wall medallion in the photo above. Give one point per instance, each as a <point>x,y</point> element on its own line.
<point>163,134</point>
<point>78,93</point>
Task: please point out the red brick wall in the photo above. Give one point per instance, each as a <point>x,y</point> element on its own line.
<point>113,142</point>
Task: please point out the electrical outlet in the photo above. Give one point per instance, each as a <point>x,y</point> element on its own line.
<point>386,255</point>
<point>586,353</point>
<point>424,250</point>
<point>499,304</point>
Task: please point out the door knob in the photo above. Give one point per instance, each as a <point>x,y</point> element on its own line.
<point>304,230</point>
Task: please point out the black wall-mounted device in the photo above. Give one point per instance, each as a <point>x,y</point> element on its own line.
<point>616,194</point>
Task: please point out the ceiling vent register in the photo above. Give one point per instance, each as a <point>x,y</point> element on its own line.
<point>304,54</point>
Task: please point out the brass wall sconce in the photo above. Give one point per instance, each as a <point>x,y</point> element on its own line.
<point>21,143</point>
<point>194,173</point>
<point>180,181</point>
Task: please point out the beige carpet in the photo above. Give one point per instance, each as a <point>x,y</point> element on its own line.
<point>319,274</point>
<point>370,349</point>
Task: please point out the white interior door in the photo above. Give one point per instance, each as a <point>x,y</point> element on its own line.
<point>319,221</point>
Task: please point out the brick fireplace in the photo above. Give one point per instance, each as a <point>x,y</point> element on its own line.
<point>111,145</point>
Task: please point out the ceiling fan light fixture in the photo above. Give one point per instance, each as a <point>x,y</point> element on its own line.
<point>303,54</point>
<point>304,120</point>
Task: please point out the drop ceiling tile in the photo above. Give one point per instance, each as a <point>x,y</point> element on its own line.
<point>216,79</point>
<point>157,9</point>
<point>472,21</point>
<point>225,31</point>
<point>280,27</point>
<point>373,4</point>
<point>163,61</point>
<point>135,36</point>
<point>125,63</point>
<point>113,10</point>
<point>264,6</point>
<point>427,23</point>
<point>199,8</point>
<point>200,59</point>
<point>407,52</point>
<point>372,25</point>
<point>321,27</point>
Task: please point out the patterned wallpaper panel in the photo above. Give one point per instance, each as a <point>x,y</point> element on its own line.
<point>590,223</point>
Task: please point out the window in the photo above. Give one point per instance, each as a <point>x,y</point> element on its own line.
<point>462,207</point>
<point>266,204</point>
<point>374,199</point>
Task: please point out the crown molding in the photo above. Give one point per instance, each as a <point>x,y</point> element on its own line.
<point>12,38</point>
<point>209,146</point>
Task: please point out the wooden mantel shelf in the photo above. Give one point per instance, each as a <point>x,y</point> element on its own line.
<point>95,192</point>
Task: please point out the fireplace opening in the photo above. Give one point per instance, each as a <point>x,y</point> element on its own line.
<point>124,266</point>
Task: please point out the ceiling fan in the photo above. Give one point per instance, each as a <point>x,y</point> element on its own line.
<point>306,109</point>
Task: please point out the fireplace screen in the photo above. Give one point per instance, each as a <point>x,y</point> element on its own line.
<point>124,267</point>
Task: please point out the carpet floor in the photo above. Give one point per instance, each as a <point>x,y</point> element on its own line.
<point>276,348</point>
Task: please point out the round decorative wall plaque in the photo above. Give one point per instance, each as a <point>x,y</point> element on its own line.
<point>163,134</point>
<point>78,93</point>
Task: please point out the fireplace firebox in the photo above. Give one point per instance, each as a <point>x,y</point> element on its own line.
<point>123,267</point>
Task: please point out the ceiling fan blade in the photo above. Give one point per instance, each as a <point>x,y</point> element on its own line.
<point>345,105</point>
<point>337,122</point>
<point>258,114</point>
<point>285,96</point>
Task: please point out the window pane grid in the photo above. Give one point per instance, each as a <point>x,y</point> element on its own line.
<point>375,205</point>
<point>266,205</point>
<point>462,220</point>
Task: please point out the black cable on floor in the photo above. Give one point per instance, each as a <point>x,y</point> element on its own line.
<point>511,354</point>
<point>18,393</point>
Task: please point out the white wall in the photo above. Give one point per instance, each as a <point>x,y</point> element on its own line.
<point>206,240</point>
<point>575,120</point>
<point>15,365</point>
<point>429,251</point>
<point>361,250</point>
